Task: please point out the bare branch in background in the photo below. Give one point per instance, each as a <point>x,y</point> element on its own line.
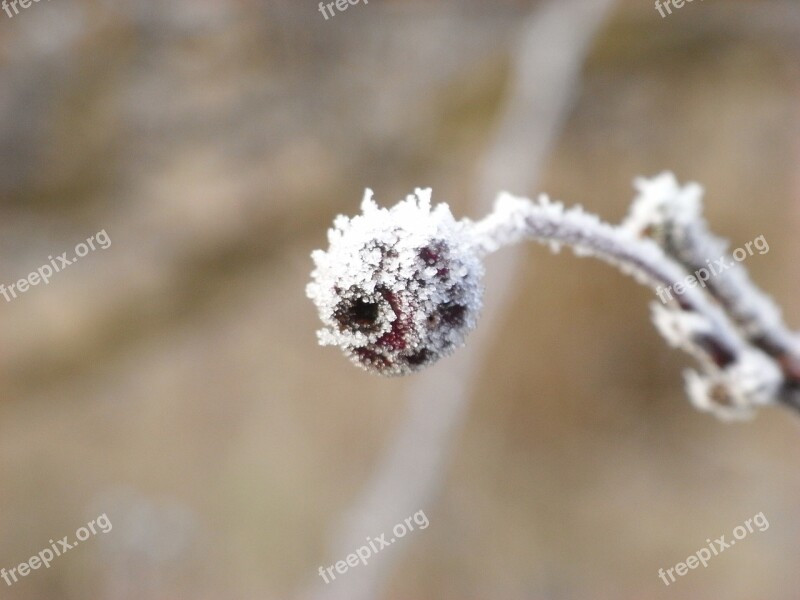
<point>554,43</point>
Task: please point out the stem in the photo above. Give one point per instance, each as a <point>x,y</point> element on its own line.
<point>515,219</point>
<point>756,315</point>
<point>707,332</point>
<point>671,215</point>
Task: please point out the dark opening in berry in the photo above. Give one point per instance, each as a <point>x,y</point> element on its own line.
<point>360,314</point>
<point>418,358</point>
<point>363,313</point>
<point>453,314</point>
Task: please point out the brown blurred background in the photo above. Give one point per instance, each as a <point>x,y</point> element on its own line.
<point>173,381</point>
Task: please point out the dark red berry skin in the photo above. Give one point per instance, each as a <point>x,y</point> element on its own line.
<point>405,343</point>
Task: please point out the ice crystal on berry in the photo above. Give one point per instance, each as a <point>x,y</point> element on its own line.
<point>397,288</point>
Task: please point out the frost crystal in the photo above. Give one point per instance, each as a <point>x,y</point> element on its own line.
<point>735,392</point>
<point>662,205</point>
<point>398,288</point>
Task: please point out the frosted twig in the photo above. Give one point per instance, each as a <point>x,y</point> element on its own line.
<point>400,288</point>
<point>671,215</point>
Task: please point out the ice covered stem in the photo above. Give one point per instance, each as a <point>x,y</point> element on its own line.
<point>736,376</point>
<point>671,215</point>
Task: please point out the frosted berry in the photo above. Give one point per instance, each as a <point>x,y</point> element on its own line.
<point>397,288</point>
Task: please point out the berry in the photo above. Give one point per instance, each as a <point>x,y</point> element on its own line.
<point>397,288</point>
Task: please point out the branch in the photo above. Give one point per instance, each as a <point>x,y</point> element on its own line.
<point>671,215</point>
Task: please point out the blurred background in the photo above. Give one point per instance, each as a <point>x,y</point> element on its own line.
<point>173,381</point>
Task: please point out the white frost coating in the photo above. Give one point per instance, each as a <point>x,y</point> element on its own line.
<point>672,216</point>
<point>681,329</point>
<point>662,202</point>
<point>549,222</point>
<point>731,393</point>
<point>736,392</point>
<point>398,288</point>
